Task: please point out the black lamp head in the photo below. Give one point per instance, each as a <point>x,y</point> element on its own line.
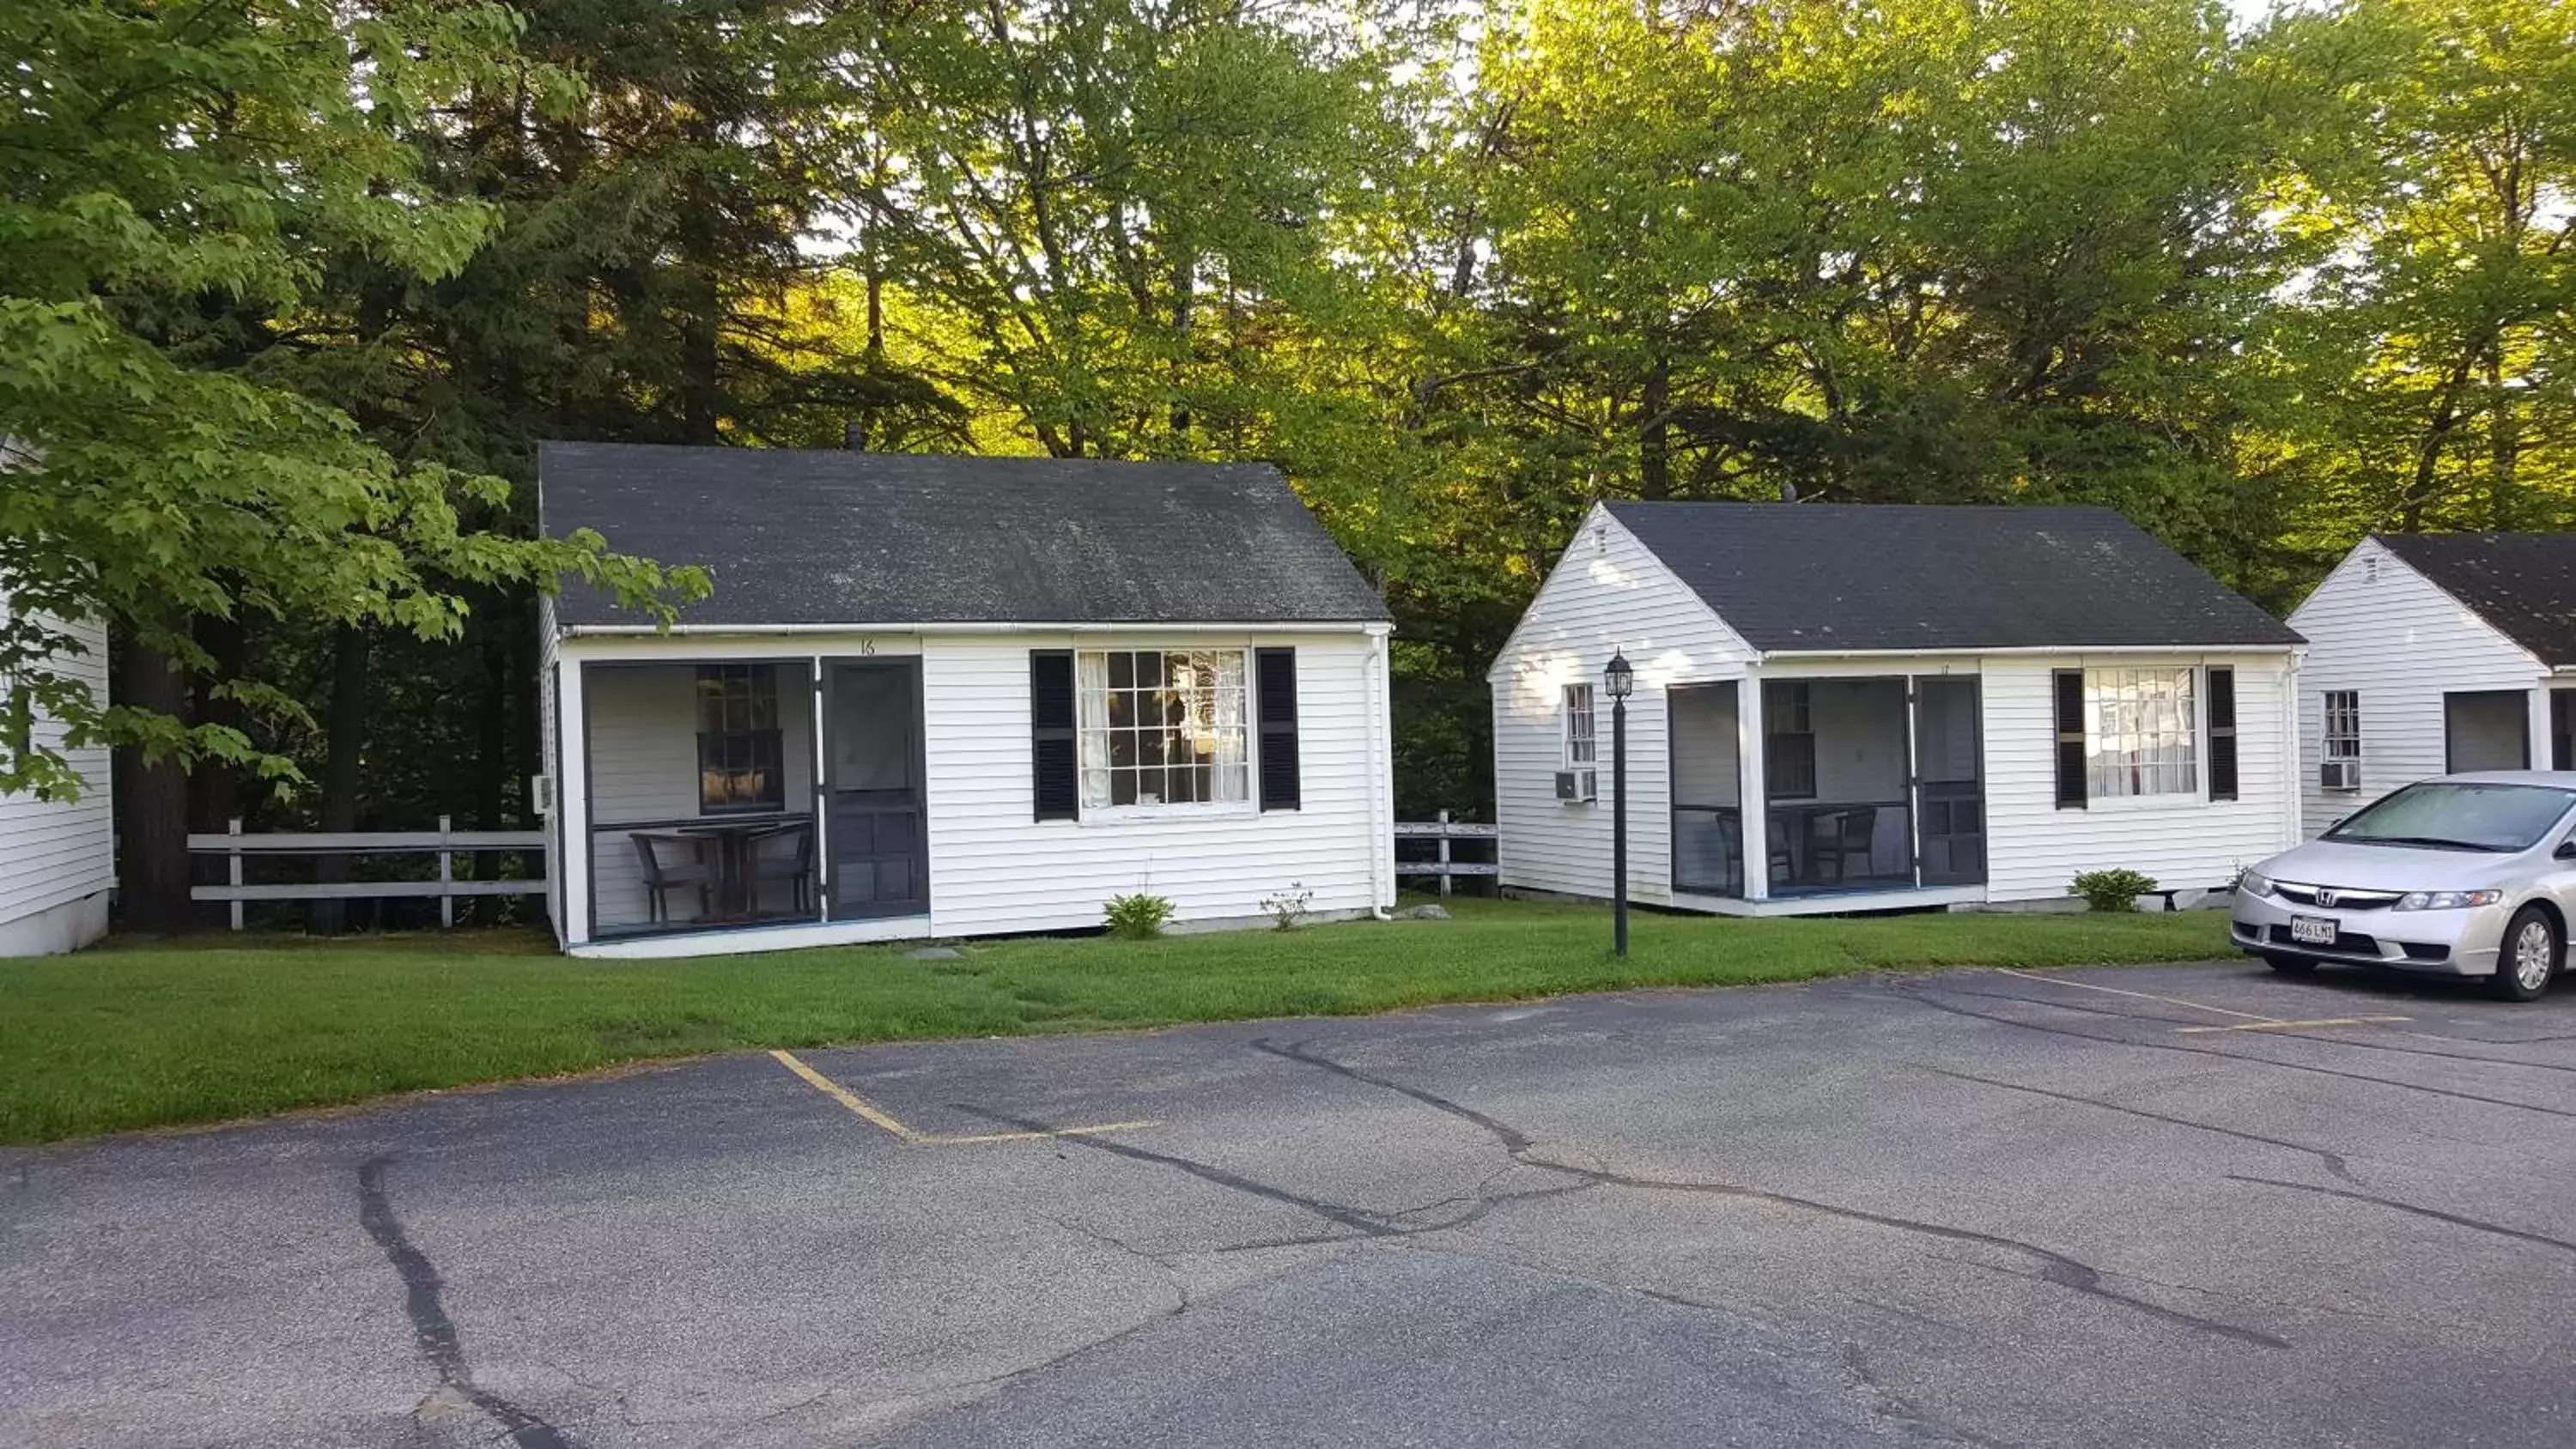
<point>1618,678</point>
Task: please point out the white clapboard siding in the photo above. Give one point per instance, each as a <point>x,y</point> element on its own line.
<point>57,858</point>
<point>994,867</point>
<point>2379,628</point>
<point>643,756</point>
<point>2035,849</point>
<point>1607,593</point>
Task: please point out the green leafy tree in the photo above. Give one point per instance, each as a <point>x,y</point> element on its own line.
<point>173,177</point>
<point>2435,343</point>
<point>1110,206</point>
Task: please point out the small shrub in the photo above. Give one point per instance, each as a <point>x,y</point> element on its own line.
<point>2113,890</point>
<point>1138,915</point>
<point>1288,908</point>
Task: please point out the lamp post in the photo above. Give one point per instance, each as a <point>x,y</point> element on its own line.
<point>1619,680</point>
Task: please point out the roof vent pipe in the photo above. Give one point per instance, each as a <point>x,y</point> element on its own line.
<point>1788,492</point>
<point>854,436</point>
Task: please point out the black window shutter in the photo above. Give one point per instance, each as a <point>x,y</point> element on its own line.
<point>1055,771</point>
<point>1274,686</point>
<point>2222,733</point>
<point>2070,739</point>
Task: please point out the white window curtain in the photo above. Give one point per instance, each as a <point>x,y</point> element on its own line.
<point>1091,689</point>
<point>1232,779</point>
<point>1162,728</point>
<point>2142,732</point>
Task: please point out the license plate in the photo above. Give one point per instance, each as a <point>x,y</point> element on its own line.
<point>2315,930</point>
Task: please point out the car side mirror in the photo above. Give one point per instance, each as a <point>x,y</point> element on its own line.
<point>2566,849</point>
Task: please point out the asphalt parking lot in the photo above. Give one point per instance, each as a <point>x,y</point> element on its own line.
<point>2194,1205</point>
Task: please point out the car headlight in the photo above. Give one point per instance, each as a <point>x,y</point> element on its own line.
<point>2446,900</point>
<point>2254,884</point>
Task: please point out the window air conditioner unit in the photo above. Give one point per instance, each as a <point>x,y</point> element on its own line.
<point>2340,775</point>
<point>1577,787</point>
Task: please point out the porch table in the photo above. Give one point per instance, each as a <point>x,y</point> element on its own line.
<point>1796,826</point>
<point>731,848</point>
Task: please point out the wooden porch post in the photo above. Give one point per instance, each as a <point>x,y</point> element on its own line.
<point>1752,805</point>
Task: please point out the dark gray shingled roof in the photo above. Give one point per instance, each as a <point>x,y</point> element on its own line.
<point>2522,583</point>
<point>1820,576</point>
<point>836,537</point>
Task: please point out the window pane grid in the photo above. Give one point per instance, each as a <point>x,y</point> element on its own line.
<point>2141,732</point>
<point>2343,724</point>
<point>1163,727</point>
<point>1582,741</point>
<point>740,764</point>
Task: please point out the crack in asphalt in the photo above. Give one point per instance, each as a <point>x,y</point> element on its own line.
<point>1878,1400</point>
<point>2055,1267</point>
<point>1514,1140</point>
<point>1364,1223</point>
<point>2333,1161</point>
<point>2436,1214</point>
<point>2354,1043</point>
<point>432,1329</point>
<point>1919,997</point>
<point>1886,1403</point>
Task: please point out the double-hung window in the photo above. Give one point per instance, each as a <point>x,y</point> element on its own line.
<point>2343,724</point>
<point>1582,742</point>
<point>1162,727</point>
<point>2141,733</point>
<point>739,762</point>
<point>1788,741</point>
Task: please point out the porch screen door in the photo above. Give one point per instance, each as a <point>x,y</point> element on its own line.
<point>1949,766</point>
<point>874,840</point>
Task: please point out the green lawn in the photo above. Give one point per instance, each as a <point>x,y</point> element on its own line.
<point>148,1033</point>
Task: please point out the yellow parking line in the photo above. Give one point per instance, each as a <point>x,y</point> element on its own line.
<point>844,1096</point>
<point>2139,995</point>
<point>2296,1025</point>
<point>1092,1131</point>
<point>890,1123</point>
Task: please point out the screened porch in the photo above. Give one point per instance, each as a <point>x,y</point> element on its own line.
<point>1865,785</point>
<point>729,794</point>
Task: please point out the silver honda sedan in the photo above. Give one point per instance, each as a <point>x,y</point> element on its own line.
<point>2466,875</point>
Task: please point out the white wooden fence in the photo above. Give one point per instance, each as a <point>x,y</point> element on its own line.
<point>1444,830</point>
<point>445,841</point>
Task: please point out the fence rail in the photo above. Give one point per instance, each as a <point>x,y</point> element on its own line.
<point>444,842</point>
<point>1445,831</point>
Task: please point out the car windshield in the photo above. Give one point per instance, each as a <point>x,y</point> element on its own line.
<point>2446,815</point>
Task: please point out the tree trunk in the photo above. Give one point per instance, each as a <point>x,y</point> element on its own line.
<point>1655,439</point>
<point>345,731</point>
<point>151,803</point>
<point>493,742</point>
<point>700,301</point>
<point>2428,452</point>
<point>215,792</point>
<point>2504,447</point>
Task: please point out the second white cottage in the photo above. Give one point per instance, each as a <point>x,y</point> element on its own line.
<point>1854,707</point>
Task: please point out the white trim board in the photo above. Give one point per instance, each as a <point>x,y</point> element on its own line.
<point>748,940</point>
<point>1838,903</point>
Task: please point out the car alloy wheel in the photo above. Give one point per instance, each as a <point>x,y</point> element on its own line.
<point>2530,956</point>
<point>2531,952</point>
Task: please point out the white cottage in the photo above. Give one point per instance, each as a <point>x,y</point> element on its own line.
<point>58,857</point>
<point>2432,653</point>
<point>946,697</point>
<point>1855,707</point>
